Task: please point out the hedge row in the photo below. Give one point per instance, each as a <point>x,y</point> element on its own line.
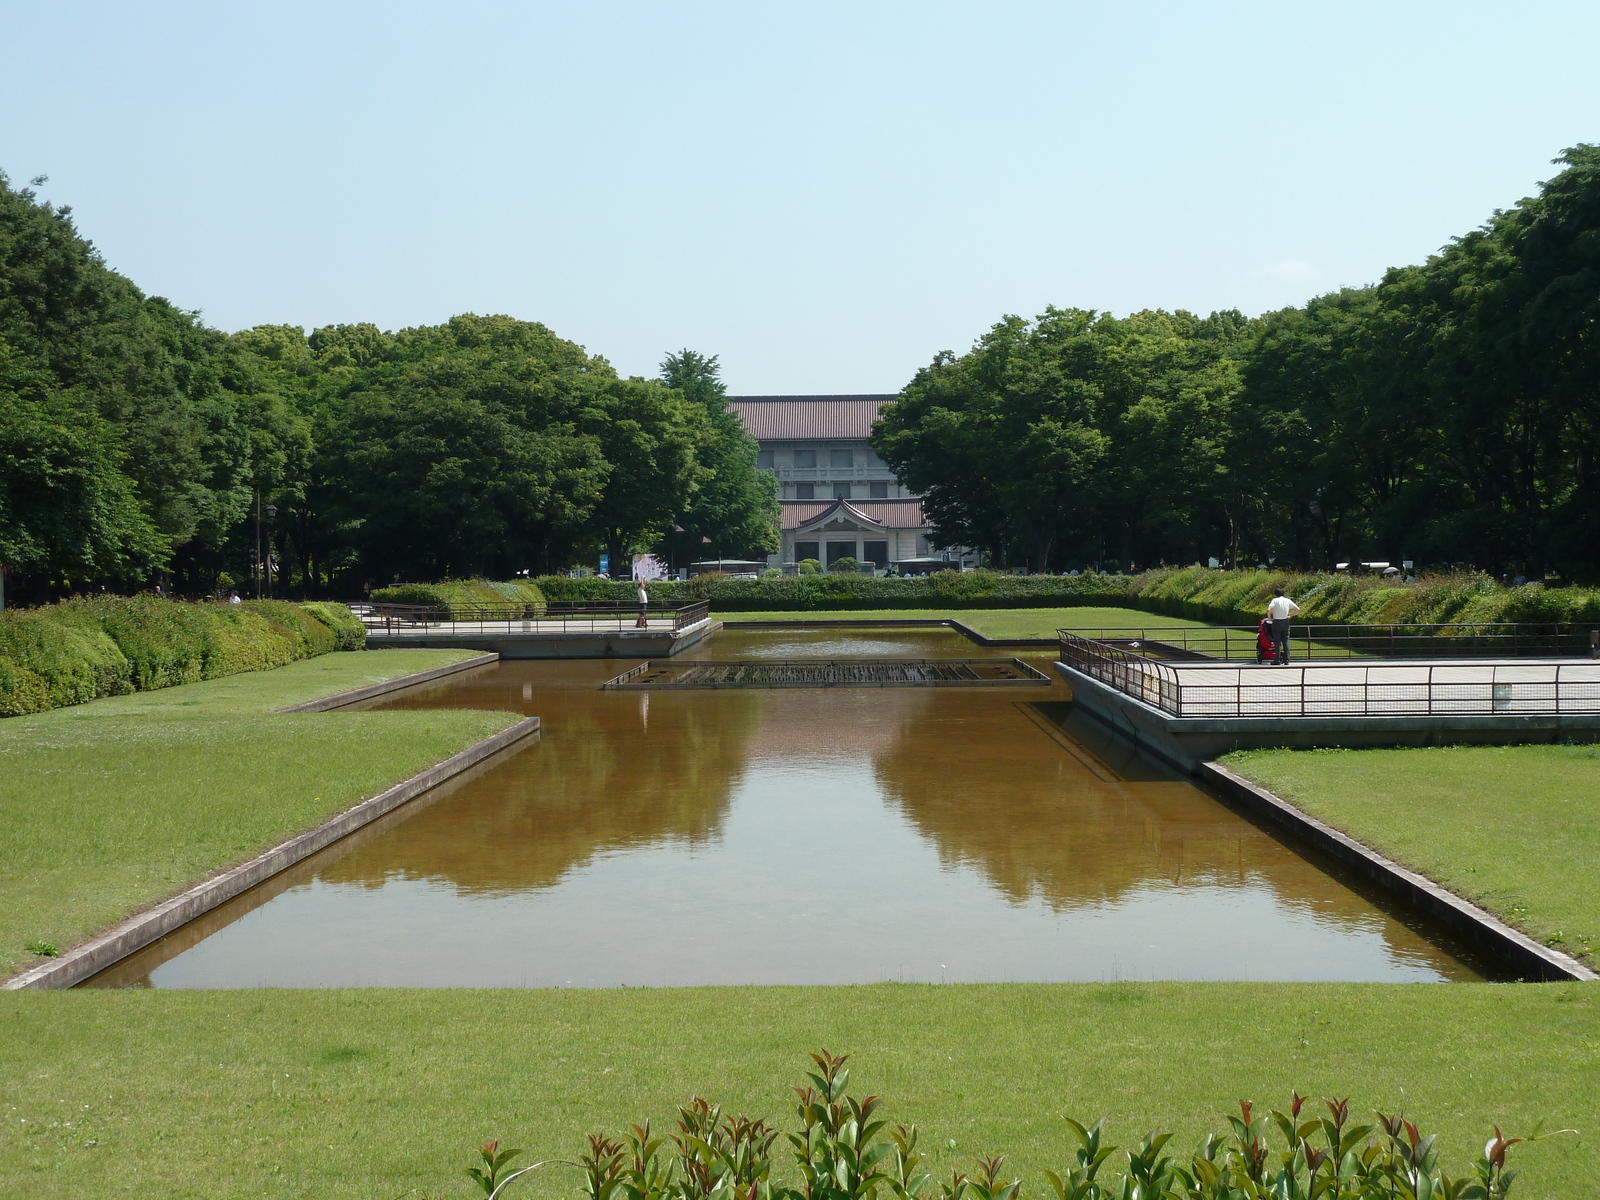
<point>110,645</point>
<point>1238,597</point>
<point>1217,596</point>
<point>813,593</point>
<point>464,597</point>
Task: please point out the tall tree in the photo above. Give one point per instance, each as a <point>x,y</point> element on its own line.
<point>735,507</point>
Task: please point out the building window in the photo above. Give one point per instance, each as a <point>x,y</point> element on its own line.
<point>877,553</point>
<point>841,491</point>
<point>843,458</point>
<point>878,491</point>
<point>805,491</point>
<point>805,460</point>
<point>805,550</point>
<point>764,460</point>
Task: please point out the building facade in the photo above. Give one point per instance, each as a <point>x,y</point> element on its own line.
<point>839,499</point>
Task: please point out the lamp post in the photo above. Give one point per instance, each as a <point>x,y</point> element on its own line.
<point>261,563</point>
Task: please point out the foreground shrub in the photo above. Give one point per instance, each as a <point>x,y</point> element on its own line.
<point>466,597</point>
<point>50,658</point>
<point>843,1150</point>
<point>108,645</point>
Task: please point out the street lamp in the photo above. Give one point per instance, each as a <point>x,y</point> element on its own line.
<point>261,565</point>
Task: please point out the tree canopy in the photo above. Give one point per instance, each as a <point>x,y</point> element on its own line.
<point>1448,415</point>
<point>136,443</point>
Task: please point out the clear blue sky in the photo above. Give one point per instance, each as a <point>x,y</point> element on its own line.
<point>824,195</point>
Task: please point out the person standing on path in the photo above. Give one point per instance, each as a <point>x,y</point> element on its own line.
<point>1279,610</point>
<point>644,604</point>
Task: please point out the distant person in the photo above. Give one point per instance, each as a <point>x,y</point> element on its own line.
<point>1279,610</point>
<point>644,604</point>
<point>234,598</point>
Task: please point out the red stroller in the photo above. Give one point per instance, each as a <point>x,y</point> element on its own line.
<point>1266,648</point>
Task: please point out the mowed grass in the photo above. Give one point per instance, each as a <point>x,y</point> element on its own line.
<point>111,806</point>
<point>377,1093</point>
<point>991,622</point>
<point>1515,829</point>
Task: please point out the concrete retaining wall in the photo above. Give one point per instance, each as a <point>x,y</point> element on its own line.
<point>139,931</point>
<point>1467,921</point>
<point>1187,742</point>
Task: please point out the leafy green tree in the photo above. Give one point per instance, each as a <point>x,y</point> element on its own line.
<point>735,506</point>
<point>68,512</point>
<point>144,366</point>
<point>460,448</point>
<point>649,435</point>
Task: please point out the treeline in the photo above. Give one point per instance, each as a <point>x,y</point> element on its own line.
<point>1449,416</point>
<point>138,446</point>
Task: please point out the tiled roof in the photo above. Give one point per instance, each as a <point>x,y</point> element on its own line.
<point>784,418</point>
<point>891,514</point>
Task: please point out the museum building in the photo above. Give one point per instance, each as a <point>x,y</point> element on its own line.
<point>839,499</point>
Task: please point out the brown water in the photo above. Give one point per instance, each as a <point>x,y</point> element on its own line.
<point>796,836</point>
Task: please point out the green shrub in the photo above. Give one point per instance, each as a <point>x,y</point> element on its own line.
<point>843,1149</point>
<point>466,597</point>
<point>843,565</point>
<point>107,645</point>
<point>808,566</point>
<point>22,691</point>
<point>1240,597</point>
<point>306,635</point>
<point>58,658</point>
<point>348,632</point>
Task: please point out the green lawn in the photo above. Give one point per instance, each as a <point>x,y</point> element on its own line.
<point>1515,829</point>
<point>383,1094</point>
<point>111,806</point>
<point>991,622</point>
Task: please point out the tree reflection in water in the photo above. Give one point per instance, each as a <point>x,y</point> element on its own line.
<point>610,773</point>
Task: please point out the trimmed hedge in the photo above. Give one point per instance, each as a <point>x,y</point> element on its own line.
<point>815,593</point>
<point>1199,593</point>
<point>1240,597</point>
<point>348,632</point>
<point>96,646</point>
<point>464,597</point>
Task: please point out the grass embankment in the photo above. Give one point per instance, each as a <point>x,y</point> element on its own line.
<point>1515,829</point>
<point>991,622</point>
<point>387,1093</point>
<point>110,806</point>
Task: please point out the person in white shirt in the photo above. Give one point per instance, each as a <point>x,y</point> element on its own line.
<point>644,605</point>
<point>1279,609</point>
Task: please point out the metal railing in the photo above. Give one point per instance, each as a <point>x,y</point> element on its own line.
<point>1214,688</point>
<point>1461,640</point>
<point>1132,674</point>
<point>586,617</point>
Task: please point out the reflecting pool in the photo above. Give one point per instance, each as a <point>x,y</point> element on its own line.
<point>800,836</point>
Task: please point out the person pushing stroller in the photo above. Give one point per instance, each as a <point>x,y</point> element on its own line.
<point>1272,637</point>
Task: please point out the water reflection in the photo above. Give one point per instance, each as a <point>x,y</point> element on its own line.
<point>620,775</point>
<point>798,836</point>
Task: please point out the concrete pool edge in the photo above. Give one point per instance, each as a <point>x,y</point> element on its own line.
<point>1462,918</point>
<point>960,627</point>
<point>134,934</point>
<point>374,690</point>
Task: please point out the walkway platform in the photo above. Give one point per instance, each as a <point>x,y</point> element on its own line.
<point>1189,712</point>
<point>575,633</point>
